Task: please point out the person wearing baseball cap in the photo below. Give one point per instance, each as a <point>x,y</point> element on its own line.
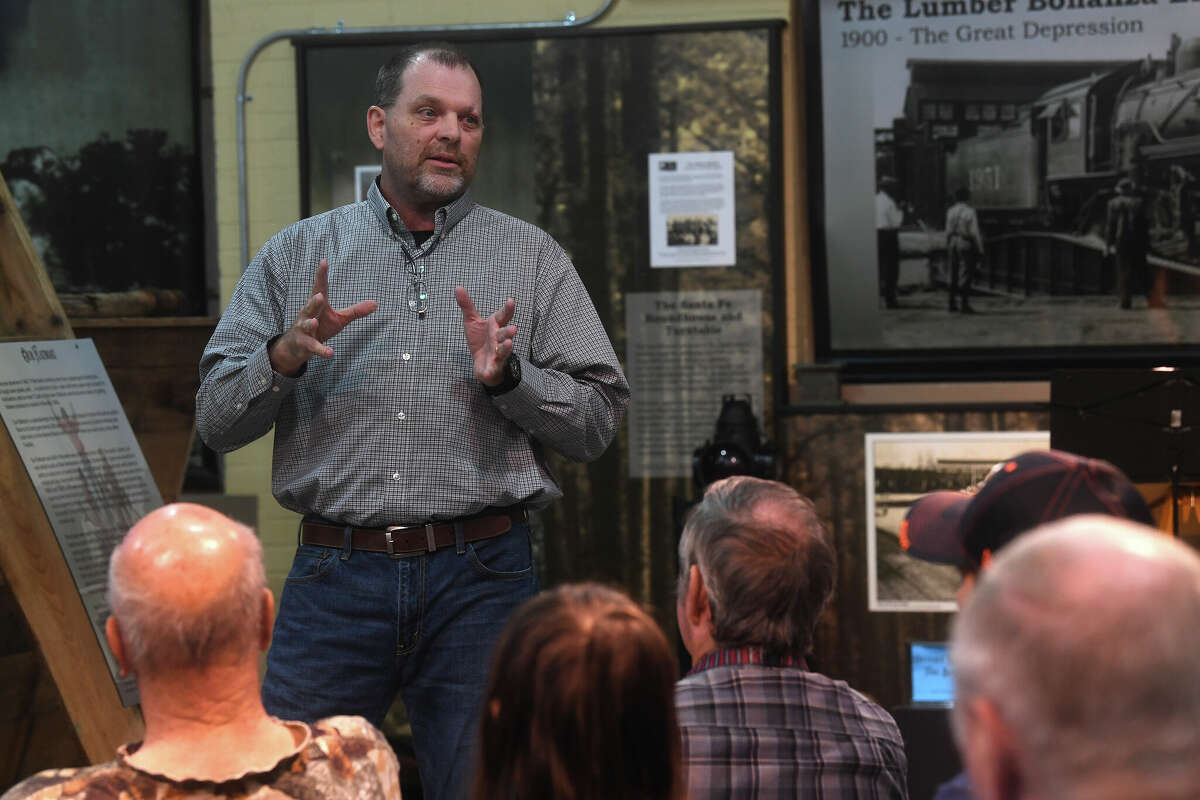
<point>966,529</point>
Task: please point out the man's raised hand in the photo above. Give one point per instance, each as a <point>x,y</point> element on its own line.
<point>490,339</point>
<point>315,323</point>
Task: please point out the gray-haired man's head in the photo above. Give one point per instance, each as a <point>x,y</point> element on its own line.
<point>1077,666</point>
<point>764,563</point>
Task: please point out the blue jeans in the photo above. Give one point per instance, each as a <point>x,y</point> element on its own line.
<point>355,628</point>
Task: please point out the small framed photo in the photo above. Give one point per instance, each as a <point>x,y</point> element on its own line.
<point>900,469</point>
<point>364,176</point>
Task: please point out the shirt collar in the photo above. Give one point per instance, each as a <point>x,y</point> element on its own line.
<point>445,217</point>
<point>301,735</point>
<point>737,656</point>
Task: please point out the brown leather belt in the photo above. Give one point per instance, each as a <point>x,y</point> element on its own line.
<point>410,540</point>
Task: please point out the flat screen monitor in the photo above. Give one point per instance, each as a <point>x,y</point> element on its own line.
<point>930,679</point>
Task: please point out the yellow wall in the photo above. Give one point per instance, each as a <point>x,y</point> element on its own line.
<point>272,146</point>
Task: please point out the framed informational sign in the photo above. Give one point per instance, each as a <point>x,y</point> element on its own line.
<point>688,350</point>
<point>999,186</point>
<point>74,440</point>
<point>900,469</point>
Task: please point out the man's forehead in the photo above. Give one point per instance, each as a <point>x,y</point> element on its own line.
<point>426,77</point>
<point>437,98</point>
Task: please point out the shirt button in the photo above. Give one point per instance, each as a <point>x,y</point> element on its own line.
<point>400,416</point>
<point>274,388</point>
<point>406,356</point>
<point>395,476</point>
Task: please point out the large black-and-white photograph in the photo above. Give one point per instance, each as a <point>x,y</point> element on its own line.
<point>1031,171</point>
<point>901,468</point>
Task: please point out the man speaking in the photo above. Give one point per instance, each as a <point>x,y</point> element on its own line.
<point>409,426</point>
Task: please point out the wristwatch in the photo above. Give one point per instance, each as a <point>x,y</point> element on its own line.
<point>512,377</point>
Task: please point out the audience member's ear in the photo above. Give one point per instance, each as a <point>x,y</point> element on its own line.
<point>696,603</point>
<point>112,632</point>
<point>266,620</point>
<point>989,750</point>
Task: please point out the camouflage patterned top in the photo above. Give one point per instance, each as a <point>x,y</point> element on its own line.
<point>337,757</point>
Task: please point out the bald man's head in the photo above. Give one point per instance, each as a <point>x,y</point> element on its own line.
<point>1079,646</point>
<point>187,588</point>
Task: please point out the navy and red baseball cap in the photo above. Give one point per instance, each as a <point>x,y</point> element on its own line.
<point>1020,494</point>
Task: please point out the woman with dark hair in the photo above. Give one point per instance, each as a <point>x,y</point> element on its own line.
<point>580,704</point>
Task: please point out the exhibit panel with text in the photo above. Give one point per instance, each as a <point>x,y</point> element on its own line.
<point>81,455</point>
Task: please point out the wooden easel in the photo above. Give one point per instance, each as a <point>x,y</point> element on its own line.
<point>30,557</point>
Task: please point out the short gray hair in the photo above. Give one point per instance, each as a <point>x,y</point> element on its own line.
<point>159,635</point>
<point>1082,635</point>
<point>766,560</point>
<point>389,81</point>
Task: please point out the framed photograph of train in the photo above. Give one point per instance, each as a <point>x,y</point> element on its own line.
<point>1030,170</point>
<point>902,467</point>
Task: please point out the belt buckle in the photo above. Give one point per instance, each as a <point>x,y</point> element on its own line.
<point>430,541</point>
<point>387,537</point>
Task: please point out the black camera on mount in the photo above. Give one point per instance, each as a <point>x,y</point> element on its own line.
<point>736,448</point>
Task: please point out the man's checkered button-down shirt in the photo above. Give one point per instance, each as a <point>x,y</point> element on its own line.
<point>755,731</point>
<point>395,428</point>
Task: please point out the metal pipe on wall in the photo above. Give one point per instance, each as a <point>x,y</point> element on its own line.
<point>570,21</point>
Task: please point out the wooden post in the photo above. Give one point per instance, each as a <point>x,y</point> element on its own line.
<point>30,555</point>
<point>31,308</point>
<point>801,345</point>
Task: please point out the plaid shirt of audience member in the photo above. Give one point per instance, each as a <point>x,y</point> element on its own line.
<point>768,728</point>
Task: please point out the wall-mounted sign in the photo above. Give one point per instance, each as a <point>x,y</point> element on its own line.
<point>685,351</point>
<point>692,210</point>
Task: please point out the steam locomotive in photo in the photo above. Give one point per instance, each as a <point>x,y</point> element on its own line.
<point>1055,167</point>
